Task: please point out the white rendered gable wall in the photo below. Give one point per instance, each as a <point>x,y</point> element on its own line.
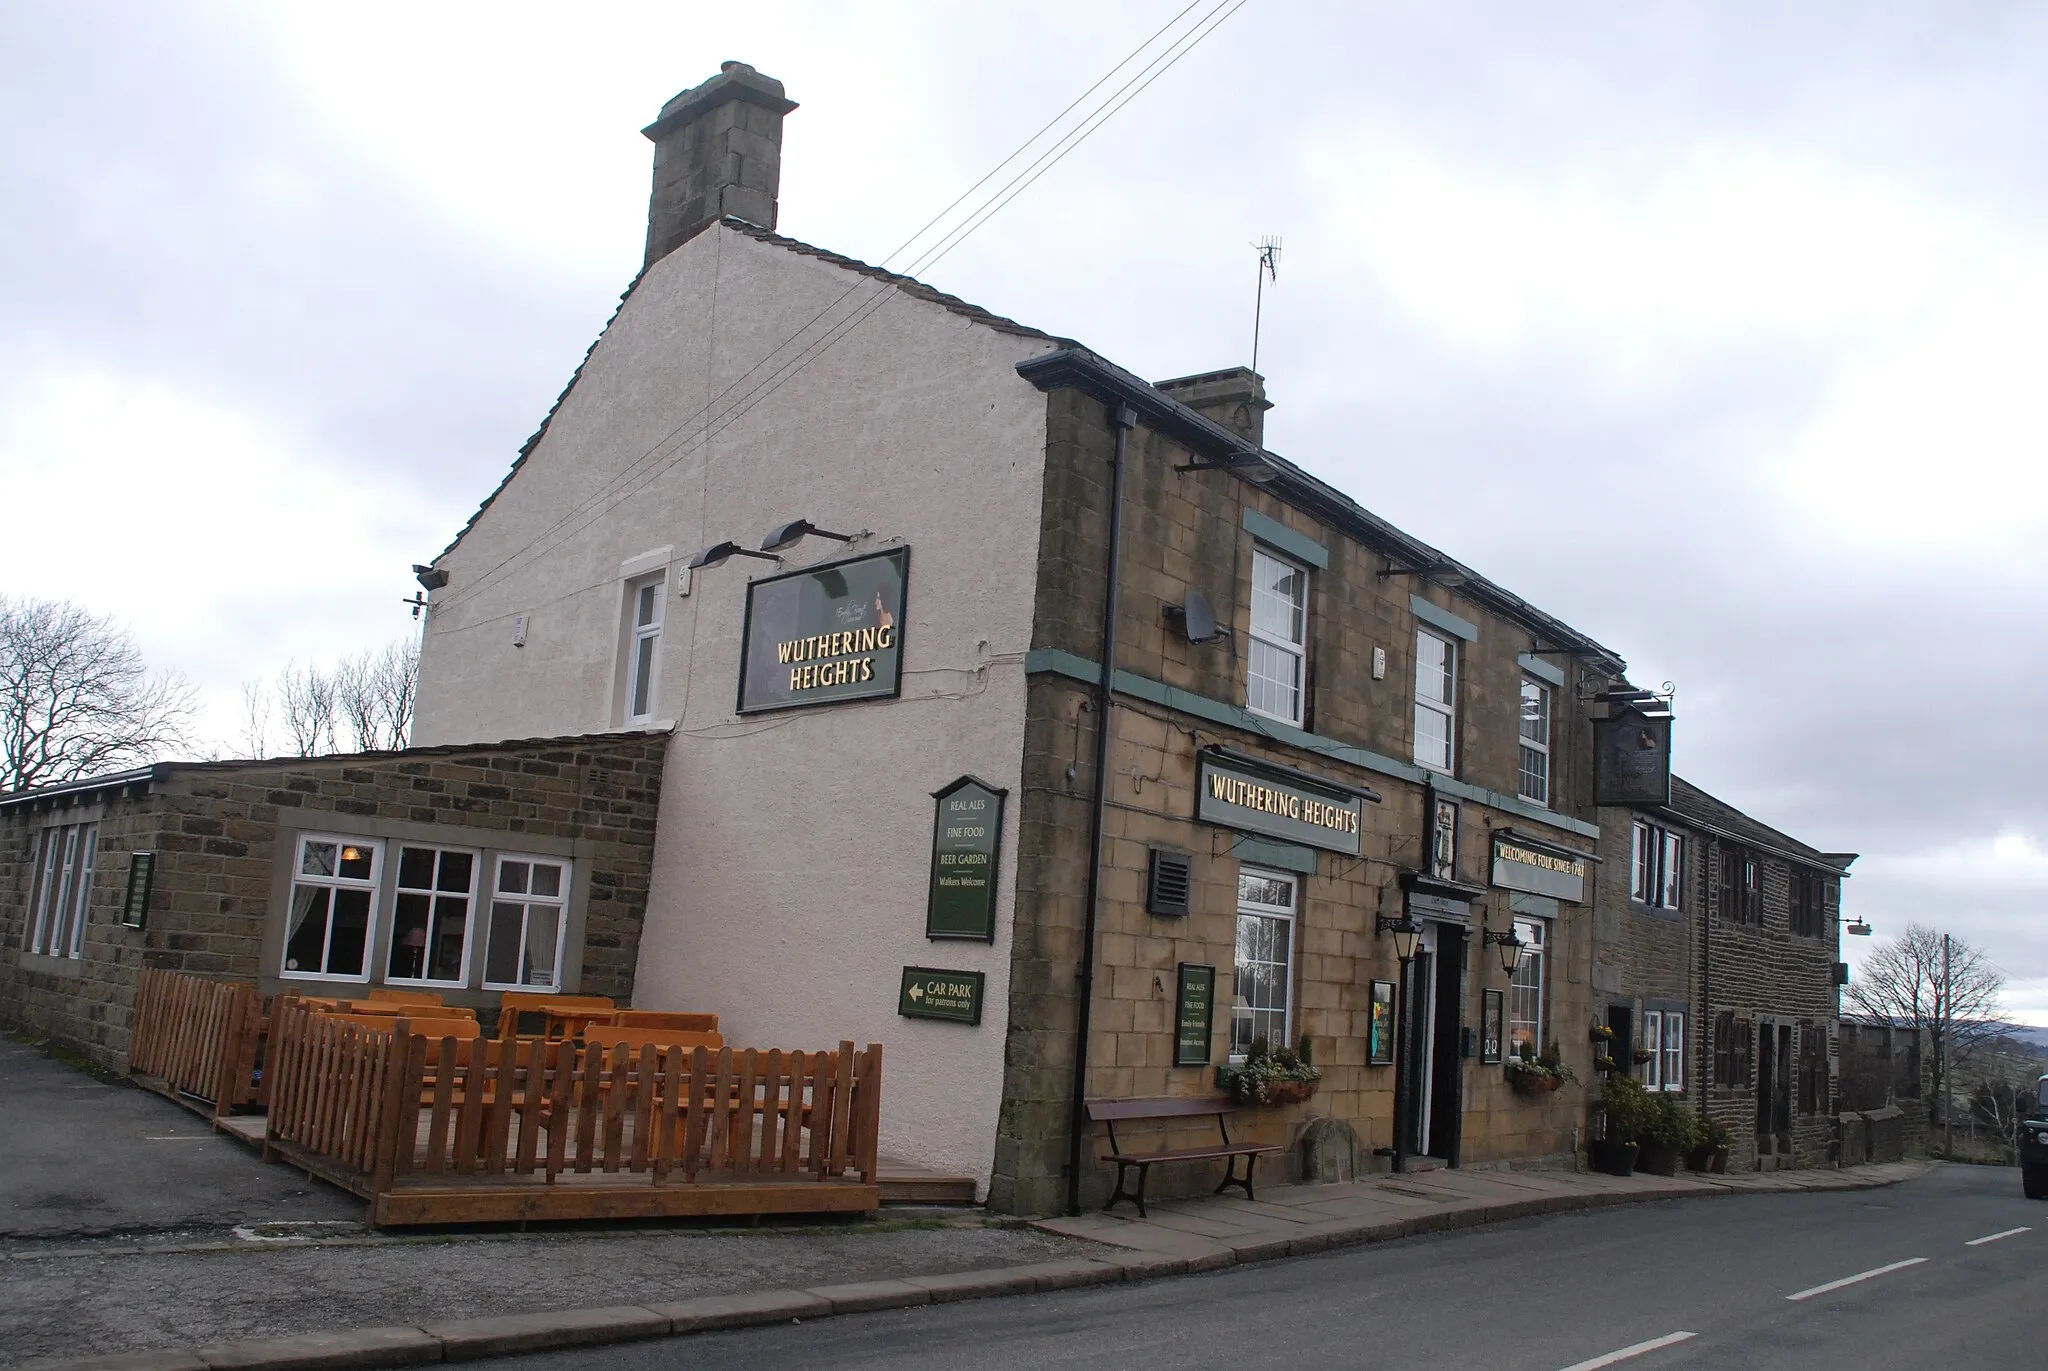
<point>792,854</point>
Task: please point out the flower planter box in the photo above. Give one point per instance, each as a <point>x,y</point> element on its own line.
<point>1658,1159</point>
<point>1615,1159</point>
<point>1708,1159</point>
<point>1277,1093</point>
<point>1533,1082</point>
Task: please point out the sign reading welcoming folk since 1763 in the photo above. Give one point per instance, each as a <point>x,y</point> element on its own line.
<point>1237,795</point>
<point>967,835</point>
<point>825,633</point>
<point>932,994</point>
<point>1520,866</point>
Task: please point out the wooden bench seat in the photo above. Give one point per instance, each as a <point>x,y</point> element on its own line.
<point>1127,1160</point>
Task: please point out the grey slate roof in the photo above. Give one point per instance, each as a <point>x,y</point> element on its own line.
<point>1688,801</point>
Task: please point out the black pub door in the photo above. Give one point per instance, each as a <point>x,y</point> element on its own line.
<point>1446,1106</point>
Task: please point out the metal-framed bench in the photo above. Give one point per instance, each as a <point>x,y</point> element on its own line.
<point>1111,1112</point>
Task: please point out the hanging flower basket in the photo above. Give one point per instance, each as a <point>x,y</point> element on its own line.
<point>1276,1093</point>
<point>1600,1033</point>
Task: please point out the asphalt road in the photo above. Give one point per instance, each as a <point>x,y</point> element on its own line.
<point>1730,1282</point>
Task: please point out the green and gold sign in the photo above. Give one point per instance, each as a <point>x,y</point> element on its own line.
<point>1194,1014</point>
<point>135,899</point>
<point>951,995</point>
<point>825,633</point>
<point>1278,803</point>
<point>967,834</point>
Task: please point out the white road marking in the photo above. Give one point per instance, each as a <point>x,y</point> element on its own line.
<point>1979,1242</point>
<point>1633,1350</point>
<point>173,1137</point>
<point>1859,1276</point>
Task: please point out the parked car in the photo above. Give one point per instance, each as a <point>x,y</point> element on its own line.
<point>2034,1146</point>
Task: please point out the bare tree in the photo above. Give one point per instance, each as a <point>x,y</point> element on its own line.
<point>76,698</point>
<point>364,704</point>
<point>374,694</point>
<point>306,699</point>
<point>1935,983</point>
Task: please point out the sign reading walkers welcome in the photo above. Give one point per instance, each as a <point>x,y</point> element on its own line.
<point>1278,803</point>
<point>825,634</point>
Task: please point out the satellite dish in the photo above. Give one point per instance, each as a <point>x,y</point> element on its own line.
<point>1197,618</point>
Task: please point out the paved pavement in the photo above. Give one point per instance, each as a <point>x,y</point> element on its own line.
<point>85,1158</point>
<point>1750,1281</point>
<point>127,1228</point>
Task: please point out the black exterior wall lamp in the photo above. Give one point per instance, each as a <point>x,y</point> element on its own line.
<point>1407,935</point>
<point>1510,947</point>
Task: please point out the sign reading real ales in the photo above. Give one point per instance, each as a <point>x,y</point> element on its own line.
<point>825,633</point>
<point>966,836</point>
<point>1277,803</point>
<point>1194,1011</point>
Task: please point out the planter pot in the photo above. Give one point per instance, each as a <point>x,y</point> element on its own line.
<point>1708,1159</point>
<point>1278,1093</point>
<point>1616,1159</point>
<point>1533,1083</point>
<point>1658,1159</point>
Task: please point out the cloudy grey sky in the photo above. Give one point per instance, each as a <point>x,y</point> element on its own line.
<point>1712,328</point>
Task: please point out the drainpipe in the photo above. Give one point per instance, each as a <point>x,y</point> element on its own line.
<point>1123,418</point>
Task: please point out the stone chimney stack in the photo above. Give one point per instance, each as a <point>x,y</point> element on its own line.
<point>1235,399</point>
<point>717,151</point>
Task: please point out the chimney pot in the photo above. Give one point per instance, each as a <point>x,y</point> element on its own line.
<point>1234,398</point>
<point>717,151</point>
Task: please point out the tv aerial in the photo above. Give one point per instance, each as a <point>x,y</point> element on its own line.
<point>1268,249</point>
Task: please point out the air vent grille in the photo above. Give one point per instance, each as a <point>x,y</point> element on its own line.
<point>1167,883</point>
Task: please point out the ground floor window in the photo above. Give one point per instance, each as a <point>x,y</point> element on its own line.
<point>1525,990</point>
<point>63,884</point>
<point>1265,973</point>
<point>1664,1040</point>
<point>529,915</point>
<point>333,908</point>
<point>430,915</point>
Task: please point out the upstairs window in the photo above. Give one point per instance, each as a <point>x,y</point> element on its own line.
<point>1742,886</point>
<point>1809,903</point>
<point>1276,666</point>
<point>1533,778</point>
<point>1657,864</point>
<point>643,644</point>
<point>1436,694</point>
<point>63,885</point>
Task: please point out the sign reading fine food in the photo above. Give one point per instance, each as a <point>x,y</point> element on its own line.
<point>1194,1011</point>
<point>1243,797</point>
<point>951,995</point>
<point>966,836</point>
<point>825,633</point>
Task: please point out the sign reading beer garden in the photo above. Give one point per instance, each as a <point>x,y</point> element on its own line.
<point>967,832</point>
<point>825,634</point>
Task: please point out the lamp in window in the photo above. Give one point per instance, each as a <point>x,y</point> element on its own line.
<point>1407,934</point>
<point>796,530</point>
<point>1510,947</point>
<point>352,854</point>
<point>718,553</point>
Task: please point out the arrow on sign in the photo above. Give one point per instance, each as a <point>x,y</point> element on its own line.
<point>916,992</point>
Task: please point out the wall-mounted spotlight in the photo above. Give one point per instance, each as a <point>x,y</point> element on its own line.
<point>1253,467</point>
<point>717,553</point>
<point>796,530</point>
<point>429,577</point>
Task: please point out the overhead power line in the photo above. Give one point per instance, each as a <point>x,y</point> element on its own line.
<point>717,414</point>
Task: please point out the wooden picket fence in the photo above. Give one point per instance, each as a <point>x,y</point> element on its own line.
<point>449,1130</point>
<point>197,1040</point>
